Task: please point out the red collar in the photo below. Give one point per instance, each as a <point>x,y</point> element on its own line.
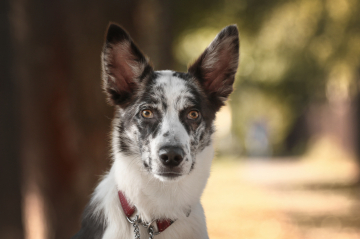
<point>161,224</point>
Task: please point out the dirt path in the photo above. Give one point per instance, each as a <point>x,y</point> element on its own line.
<point>282,199</point>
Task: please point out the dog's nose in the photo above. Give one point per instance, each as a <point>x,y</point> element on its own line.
<point>171,156</point>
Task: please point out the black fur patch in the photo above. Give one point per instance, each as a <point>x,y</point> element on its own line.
<point>125,142</point>
<point>92,227</point>
<point>192,167</point>
<point>116,34</point>
<point>119,99</point>
<point>182,75</point>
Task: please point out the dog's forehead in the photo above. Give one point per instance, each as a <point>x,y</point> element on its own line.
<point>175,89</point>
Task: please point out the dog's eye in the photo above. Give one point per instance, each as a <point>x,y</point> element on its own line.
<point>193,115</point>
<point>147,114</point>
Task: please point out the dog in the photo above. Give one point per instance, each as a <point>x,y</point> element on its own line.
<point>161,140</point>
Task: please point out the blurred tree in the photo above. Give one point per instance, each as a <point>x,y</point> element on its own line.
<point>10,171</point>
<point>62,112</point>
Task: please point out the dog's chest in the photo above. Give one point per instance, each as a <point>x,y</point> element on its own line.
<point>192,227</point>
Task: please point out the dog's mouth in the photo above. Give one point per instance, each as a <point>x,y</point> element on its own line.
<point>168,175</point>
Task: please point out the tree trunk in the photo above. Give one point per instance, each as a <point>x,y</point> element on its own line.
<point>10,169</point>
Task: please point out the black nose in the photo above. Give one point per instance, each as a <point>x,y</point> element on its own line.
<point>171,156</point>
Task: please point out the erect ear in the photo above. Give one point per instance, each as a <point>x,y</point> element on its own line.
<point>217,65</point>
<point>123,65</point>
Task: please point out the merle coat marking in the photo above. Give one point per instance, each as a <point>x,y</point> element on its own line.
<point>161,138</point>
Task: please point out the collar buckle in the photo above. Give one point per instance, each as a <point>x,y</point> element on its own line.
<point>150,228</point>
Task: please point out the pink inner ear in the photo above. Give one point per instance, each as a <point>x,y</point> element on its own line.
<point>122,68</point>
<point>217,69</point>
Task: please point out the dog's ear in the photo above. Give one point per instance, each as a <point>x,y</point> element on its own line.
<point>123,65</point>
<point>216,67</point>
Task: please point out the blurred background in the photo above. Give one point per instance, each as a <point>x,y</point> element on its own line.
<point>288,149</point>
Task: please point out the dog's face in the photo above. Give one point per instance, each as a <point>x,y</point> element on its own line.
<point>164,118</point>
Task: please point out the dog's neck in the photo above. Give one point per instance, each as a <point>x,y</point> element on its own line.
<point>151,196</point>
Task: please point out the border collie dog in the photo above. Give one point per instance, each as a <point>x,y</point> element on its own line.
<point>161,140</point>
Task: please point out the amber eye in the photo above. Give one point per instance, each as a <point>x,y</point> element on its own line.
<point>193,115</point>
<point>147,114</point>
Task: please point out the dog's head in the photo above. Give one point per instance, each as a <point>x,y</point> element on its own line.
<point>164,118</point>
